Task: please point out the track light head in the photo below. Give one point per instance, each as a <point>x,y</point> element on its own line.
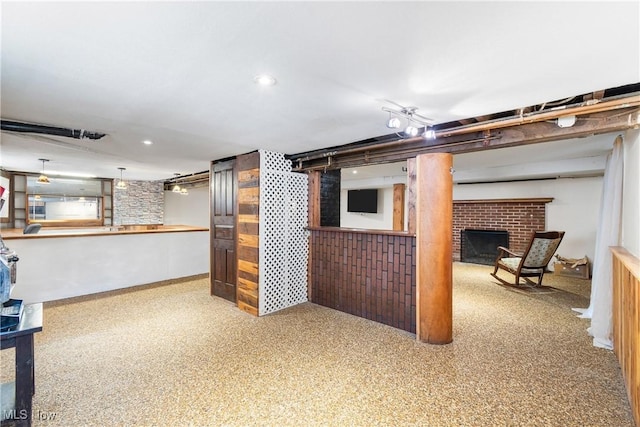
<point>411,131</point>
<point>393,123</point>
<point>429,134</point>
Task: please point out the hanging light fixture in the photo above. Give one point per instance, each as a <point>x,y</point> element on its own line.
<point>416,123</point>
<point>184,191</point>
<point>121,185</point>
<point>176,187</point>
<point>43,179</point>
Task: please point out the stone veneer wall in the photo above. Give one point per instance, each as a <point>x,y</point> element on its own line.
<point>142,202</point>
<point>520,217</point>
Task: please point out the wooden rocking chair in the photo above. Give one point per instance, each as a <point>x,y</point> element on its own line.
<point>533,262</point>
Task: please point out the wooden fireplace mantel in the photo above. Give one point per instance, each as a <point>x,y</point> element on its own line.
<point>528,200</point>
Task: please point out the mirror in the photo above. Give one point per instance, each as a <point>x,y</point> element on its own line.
<point>57,208</point>
<point>68,201</point>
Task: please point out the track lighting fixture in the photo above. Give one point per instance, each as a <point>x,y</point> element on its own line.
<point>121,185</point>
<point>43,179</point>
<point>415,123</point>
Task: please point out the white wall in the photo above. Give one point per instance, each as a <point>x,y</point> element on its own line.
<point>383,220</point>
<point>192,209</point>
<point>631,193</point>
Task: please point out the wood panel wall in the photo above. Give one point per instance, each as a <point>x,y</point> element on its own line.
<point>626,322</point>
<point>366,274</point>
<point>248,170</point>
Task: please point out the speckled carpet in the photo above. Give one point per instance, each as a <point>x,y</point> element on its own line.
<point>172,355</point>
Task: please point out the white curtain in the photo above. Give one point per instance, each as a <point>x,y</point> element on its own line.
<point>600,309</point>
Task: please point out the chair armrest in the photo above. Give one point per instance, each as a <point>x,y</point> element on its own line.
<point>503,250</point>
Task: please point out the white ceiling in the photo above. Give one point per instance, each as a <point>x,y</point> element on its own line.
<point>181,74</point>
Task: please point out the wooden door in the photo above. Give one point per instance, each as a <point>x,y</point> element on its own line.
<point>223,230</point>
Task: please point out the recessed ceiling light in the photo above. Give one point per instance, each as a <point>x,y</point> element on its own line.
<point>265,80</point>
<point>147,142</point>
<point>355,171</point>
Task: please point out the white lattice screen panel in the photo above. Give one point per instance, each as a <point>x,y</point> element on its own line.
<point>283,241</point>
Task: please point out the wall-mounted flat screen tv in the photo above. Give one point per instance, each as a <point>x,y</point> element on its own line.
<point>365,201</point>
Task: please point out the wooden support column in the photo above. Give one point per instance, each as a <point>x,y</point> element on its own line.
<point>411,203</point>
<point>398,207</point>
<point>314,199</point>
<point>314,221</point>
<point>434,242</point>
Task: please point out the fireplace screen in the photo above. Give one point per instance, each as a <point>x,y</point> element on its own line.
<point>481,246</point>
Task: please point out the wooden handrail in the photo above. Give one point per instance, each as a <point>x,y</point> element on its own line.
<point>626,322</point>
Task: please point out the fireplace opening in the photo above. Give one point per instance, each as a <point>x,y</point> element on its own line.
<point>481,246</point>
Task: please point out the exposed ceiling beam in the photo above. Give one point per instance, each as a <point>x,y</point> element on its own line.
<point>484,136</point>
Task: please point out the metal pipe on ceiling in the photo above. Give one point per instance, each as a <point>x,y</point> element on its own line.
<point>11,126</point>
<point>533,117</point>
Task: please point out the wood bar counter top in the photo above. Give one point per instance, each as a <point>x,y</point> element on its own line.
<point>362,231</point>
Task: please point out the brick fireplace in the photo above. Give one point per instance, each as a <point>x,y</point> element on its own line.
<point>520,217</point>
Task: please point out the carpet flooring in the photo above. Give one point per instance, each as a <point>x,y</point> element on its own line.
<point>172,355</point>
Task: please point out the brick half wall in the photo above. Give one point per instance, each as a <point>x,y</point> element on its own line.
<point>366,274</point>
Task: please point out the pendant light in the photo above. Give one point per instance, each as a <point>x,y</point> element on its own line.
<point>121,185</point>
<point>43,179</point>
<point>176,187</point>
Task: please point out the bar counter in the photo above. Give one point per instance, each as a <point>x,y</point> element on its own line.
<point>57,264</point>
